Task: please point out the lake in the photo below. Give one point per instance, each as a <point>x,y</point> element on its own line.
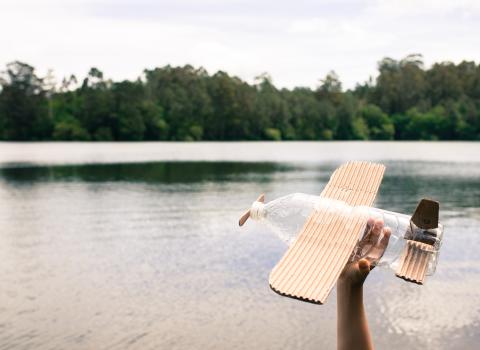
<point>137,245</point>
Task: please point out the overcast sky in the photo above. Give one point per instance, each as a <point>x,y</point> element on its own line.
<point>296,42</point>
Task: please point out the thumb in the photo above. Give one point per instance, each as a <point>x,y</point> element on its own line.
<point>364,267</point>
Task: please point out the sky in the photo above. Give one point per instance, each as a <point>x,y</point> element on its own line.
<point>296,42</point>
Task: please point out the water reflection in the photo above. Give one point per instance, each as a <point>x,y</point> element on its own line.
<point>155,247</point>
<point>164,172</point>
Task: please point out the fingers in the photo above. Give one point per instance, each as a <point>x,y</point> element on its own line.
<point>370,249</point>
<point>368,227</point>
<point>374,227</point>
<point>373,244</point>
<point>370,222</point>
<point>383,243</point>
<point>377,251</point>
<point>377,229</point>
<point>369,240</point>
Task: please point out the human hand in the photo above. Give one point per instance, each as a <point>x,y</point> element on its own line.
<point>367,253</point>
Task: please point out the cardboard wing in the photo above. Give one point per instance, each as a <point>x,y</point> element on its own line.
<point>312,264</point>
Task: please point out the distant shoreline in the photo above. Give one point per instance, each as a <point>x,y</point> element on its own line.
<point>316,153</point>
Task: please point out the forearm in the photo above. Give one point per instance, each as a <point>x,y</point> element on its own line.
<point>352,325</point>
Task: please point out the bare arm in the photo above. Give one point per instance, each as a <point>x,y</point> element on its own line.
<point>352,324</point>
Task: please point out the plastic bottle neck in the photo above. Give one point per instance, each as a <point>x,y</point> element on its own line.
<point>257,211</point>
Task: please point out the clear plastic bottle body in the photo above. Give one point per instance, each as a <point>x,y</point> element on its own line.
<point>287,215</point>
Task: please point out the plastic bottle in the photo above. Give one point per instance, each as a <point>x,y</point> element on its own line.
<point>286,216</point>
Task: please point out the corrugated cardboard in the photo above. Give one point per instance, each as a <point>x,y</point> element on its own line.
<point>414,261</point>
<point>311,266</point>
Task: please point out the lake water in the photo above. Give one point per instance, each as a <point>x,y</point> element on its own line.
<point>136,245</point>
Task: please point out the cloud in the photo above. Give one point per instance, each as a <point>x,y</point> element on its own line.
<point>297,42</point>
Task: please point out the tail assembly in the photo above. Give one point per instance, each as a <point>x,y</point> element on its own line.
<point>423,241</point>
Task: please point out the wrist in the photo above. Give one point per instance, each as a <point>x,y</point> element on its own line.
<point>349,295</point>
<point>346,285</point>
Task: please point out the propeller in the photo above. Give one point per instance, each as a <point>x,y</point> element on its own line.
<point>246,215</point>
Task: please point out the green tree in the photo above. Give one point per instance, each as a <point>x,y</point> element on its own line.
<point>431,125</point>
<point>23,105</point>
<point>405,101</point>
<point>156,128</point>
<point>182,93</point>
<point>272,109</point>
<point>377,123</point>
<point>349,127</point>
<point>128,97</point>
<point>400,85</point>
<point>70,129</point>
<point>96,110</point>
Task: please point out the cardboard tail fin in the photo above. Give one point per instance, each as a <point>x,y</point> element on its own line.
<point>418,251</point>
<point>426,214</point>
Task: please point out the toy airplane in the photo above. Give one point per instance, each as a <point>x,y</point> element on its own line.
<point>312,264</point>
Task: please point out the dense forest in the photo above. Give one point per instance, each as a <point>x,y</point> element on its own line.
<point>406,101</point>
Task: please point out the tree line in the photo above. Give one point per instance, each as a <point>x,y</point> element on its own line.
<point>405,102</point>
